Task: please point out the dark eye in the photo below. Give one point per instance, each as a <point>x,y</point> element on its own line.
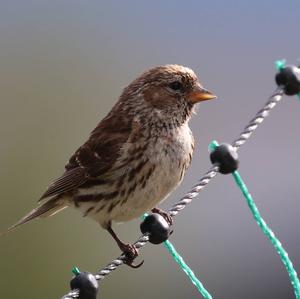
<point>176,85</point>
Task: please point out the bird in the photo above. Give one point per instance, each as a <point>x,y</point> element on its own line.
<point>135,157</point>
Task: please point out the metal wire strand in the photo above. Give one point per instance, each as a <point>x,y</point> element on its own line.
<point>203,182</point>
<point>184,201</point>
<point>258,119</point>
<point>72,295</point>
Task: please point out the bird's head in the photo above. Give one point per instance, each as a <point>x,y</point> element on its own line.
<point>171,91</point>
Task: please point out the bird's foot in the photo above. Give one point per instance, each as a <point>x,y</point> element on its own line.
<point>130,253</point>
<point>164,214</point>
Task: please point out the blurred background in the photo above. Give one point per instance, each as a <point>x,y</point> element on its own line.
<point>63,65</point>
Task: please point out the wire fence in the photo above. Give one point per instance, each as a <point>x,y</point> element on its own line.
<point>196,189</point>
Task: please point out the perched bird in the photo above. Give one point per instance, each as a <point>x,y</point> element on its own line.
<point>135,157</point>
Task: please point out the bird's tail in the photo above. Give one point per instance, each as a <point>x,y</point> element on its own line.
<point>49,208</point>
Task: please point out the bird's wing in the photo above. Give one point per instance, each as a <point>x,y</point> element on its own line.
<point>95,157</point>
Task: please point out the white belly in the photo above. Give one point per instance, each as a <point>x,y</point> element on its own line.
<point>167,161</point>
<point>164,179</point>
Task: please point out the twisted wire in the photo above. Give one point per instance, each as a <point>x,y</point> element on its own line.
<point>72,295</point>
<point>258,119</point>
<point>184,201</point>
<point>203,182</point>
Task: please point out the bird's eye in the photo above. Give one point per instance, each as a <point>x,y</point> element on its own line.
<point>176,85</point>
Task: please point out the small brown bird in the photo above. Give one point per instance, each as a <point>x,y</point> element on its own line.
<point>136,155</point>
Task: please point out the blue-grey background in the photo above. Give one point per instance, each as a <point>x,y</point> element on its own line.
<point>63,65</point>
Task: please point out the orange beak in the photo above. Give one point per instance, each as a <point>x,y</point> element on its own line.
<point>199,94</point>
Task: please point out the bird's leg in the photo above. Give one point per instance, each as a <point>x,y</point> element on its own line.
<point>164,214</point>
<point>129,250</point>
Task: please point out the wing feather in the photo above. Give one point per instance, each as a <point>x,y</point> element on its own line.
<point>69,180</point>
<point>96,157</point>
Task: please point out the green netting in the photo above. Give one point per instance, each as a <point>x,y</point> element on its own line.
<point>187,270</point>
<point>266,230</point>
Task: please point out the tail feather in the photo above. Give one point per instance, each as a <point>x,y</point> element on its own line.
<point>47,209</point>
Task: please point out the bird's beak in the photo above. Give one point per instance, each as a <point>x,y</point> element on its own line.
<point>199,94</point>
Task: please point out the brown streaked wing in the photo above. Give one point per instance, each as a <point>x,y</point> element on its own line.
<point>96,157</point>
<point>67,182</point>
